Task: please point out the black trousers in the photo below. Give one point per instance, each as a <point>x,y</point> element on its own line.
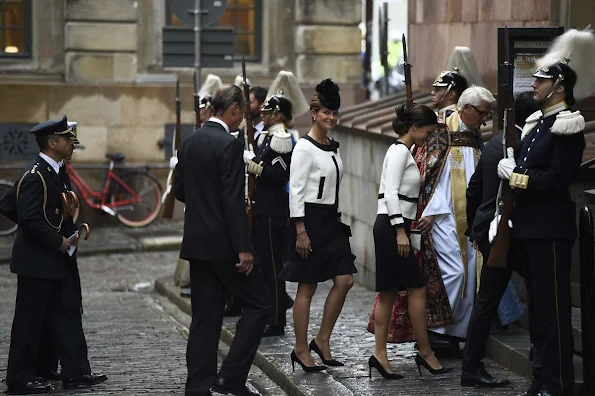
<point>47,360</point>
<point>547,277</point>
<point>268,242</point>
<point>492,286</point>
<point>42,302</point>
<point>210,280</point>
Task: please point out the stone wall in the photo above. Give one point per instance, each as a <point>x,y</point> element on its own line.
<point>437,26</point>
<point>100,40</point>
<point>362,156</point>
<point>123,118</point>
<point>328,40</point>
<point>100,62</point>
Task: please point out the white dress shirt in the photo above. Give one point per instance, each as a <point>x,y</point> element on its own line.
<point>55,165</point>
<point>218,121</point>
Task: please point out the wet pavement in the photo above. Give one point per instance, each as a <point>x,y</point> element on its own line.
<point>352,344</point>
<point>135,336</point>
<point>159,235</point>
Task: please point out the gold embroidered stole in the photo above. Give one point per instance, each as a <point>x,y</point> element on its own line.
<point>458,184</point>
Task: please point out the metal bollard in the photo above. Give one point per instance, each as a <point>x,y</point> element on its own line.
<point>587,273</point>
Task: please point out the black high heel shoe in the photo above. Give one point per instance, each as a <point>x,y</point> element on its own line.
<point>307,369</point>
<point>332,362</point>
<point>374,363</point>
<point>420,361</point>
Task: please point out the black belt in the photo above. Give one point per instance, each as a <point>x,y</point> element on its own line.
<point>403,197</point>
<point>465,139</point>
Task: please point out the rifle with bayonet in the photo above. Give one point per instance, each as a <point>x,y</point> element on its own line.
<point>407,72</point>
<point>250,137</point>
<point>501,244</point>
<point>196,103</point>
<point>168,198</point>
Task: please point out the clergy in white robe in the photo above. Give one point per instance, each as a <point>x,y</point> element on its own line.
<point>458,260</point>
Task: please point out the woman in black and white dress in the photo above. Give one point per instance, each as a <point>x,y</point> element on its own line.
<point>396,265</point>
<point>318,244</point>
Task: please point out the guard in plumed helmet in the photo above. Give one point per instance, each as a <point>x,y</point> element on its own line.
<point>447,88</point>
<point>206,93</point>
<point>44,259</point>
<point>269,162</point>
<point>543,218</point>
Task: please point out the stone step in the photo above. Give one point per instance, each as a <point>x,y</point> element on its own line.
<point>511,350</point>
<point>576,328</point>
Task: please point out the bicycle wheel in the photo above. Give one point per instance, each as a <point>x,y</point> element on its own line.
<point>144,210</point>
<point>7,226</point>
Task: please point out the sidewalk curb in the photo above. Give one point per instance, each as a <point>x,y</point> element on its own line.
<point>145,244</point>
<point>166,287</point>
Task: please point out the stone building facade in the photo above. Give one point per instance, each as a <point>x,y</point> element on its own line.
<point>100,62</point>
<point>438,26</point>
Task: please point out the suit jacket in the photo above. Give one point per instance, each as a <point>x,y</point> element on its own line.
<point>482,190</point>
<point>35,251</point>
<point>209,179</point>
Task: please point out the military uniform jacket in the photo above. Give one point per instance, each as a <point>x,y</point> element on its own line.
<point>550,155</point>
<point>273,153</point>
<point>36,250</point>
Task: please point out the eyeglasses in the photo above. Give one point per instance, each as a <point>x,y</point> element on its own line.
<point>481,113</point>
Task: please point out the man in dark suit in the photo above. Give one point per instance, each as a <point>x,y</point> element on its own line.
<point>44,258</point>
<point>210,180</point>
<point>482,193</point>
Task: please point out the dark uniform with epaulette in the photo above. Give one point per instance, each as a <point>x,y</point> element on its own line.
<point>271,206</point>
<point>544,228</point>
<point>48,280</point>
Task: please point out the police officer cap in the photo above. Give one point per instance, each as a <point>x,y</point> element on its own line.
<point>448,78</point>
<point>53,127</point>
<point>560,70</point>
<point>278,103</point>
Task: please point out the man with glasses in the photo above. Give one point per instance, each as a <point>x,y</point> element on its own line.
<point>450,269</point>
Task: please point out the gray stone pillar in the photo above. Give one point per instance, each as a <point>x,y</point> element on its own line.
<point>328,40</point>
<point>100,40</point>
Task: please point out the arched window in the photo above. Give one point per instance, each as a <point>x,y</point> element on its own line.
<point>15,28</point>
<point>245,16</point>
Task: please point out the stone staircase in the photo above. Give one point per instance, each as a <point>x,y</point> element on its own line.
<point>511,348</point>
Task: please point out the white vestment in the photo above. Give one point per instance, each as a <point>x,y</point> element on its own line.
<point>460,288</point>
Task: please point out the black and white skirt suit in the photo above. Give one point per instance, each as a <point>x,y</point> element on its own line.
<point>314,180</point>
<point>397,207</point>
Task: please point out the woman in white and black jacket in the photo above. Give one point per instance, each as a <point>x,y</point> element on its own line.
<point>318,243</point>
<point>396,265</point>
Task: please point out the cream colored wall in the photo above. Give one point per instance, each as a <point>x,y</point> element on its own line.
<point>90,58</point>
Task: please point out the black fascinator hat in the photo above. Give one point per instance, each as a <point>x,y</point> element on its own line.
<point>328,94</point>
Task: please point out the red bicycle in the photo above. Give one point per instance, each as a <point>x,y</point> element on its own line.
<point>132,196</point>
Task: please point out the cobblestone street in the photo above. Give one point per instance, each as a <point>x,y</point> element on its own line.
<point>352,344</point>
<point>134,335</point>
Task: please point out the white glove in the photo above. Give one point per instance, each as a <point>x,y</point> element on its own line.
<point>506,167</point>
<point>248,156</point>
<point>494,228</point>
<point>173,161</point>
